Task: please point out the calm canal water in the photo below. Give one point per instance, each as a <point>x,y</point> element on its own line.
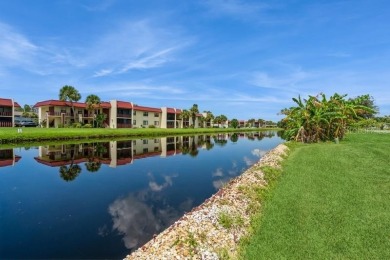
<point>104,200</point>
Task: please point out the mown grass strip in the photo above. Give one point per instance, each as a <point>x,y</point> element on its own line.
<point>332,201</point>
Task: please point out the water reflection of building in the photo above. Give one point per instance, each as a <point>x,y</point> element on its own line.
<point>65,154</point>
<point>113,153</point>
<point>8,157</point>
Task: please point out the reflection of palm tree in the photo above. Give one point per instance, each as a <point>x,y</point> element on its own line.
<point>93,166</point>
<point>234,138</point>
<point>220,140</point>
<point>194,149</point>
<point>70,173</point>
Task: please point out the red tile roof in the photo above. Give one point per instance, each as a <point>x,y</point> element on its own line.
<point>173,110</point>
<point>9,162</point>
<point>6,102</point>
<point>60,103</point>
<point>59,163</point>
<point>125,105</point>
<point>145,155</point>
<point>147,109</point>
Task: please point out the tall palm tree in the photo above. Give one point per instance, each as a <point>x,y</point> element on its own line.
<point>209,117</point>
<point>93,102</point>
<point>69,93</point>
<point>194,112</point>
<point>185,115</point>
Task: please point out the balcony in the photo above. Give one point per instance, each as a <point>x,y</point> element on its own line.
<point>5,113</point>
<point>5,124</point>
<point>124,115</point>
<point>57,113</point>
<point>124,125</point>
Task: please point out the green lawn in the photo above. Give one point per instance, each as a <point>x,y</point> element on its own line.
<point>32,134</point>
<point>332,201</point>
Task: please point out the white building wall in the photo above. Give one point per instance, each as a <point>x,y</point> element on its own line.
<point>113,113</point>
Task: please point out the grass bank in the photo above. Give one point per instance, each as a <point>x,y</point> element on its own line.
<point>331,201</point>
<point>11,135</point>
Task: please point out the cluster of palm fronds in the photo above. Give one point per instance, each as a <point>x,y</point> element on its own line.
<point>320,119</point>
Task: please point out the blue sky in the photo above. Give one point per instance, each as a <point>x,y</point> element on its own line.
<point>244,59</point>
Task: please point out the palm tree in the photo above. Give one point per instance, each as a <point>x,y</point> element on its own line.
<point>220,119</point>
<point>185,115</point>
<point>234,123</point>
<point>209,117</point>
<point>223,118</point>
<point>261,122</point>
<point>69,93</point>
<point>93,101</point>
<point>194,111</point>
<point>251,122</point>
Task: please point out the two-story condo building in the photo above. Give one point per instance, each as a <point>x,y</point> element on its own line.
<point>7,112</point>
<point>118,114</point>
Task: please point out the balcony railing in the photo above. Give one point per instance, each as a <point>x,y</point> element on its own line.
<point>5,113</point>
<point>5,124</point>
<point>57,114</point>
<point>124,115</point>
<point>124,125</point>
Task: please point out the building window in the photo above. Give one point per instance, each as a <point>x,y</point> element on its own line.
<point>156,123</point>
<point>145,122</point>
<point>146,113</point>
<point>156,141</point>
<point>156,114</point>
<point>134,112</point>
<point>134,122</point>
<point>146,150</point>
<point>145,141</point>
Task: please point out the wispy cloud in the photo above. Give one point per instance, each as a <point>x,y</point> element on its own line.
<point>151,61</point>
<point>103,72</point>
<point>281,81</point>
<point>137,88</point>
<point>339,54</point>
<point>15,48</point>
<point>135,45</point>
<point>98,6</point>
<point>236,8</point>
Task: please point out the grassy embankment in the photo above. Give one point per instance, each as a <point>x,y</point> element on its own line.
<point>331,201</point>
<point>11,135</point>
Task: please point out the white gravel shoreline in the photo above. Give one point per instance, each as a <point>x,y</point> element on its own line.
<point>213,229</point>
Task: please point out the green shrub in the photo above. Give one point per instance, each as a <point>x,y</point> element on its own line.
<point>87,126</point>
<point>152,126</point>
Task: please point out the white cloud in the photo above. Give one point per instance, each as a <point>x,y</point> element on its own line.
<point>259,153</point>
<point>98,6</point>
<point>286,81</point>
<point>218,173</point>
<point>248,161</point>
<point>103,72</point>
<point>15,48</point>
<point>134,220</point>
<point>141,44</point>
<point>154,186</point>
<point>235,8</point>
<point>151,61</point>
